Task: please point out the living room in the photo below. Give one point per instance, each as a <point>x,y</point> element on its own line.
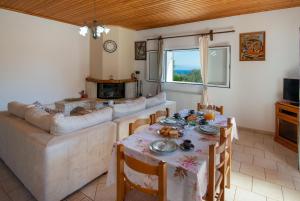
<point>127,73</point>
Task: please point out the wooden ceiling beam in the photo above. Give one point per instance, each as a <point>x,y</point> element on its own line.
<point>141,14</point>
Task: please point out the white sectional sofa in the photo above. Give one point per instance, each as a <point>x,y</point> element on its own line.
<point>124,114</point>
<point>55,155</point>
<point>53,165</point>
<point>124,121</point>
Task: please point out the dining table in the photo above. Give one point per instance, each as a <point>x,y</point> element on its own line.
<point>187,171</point>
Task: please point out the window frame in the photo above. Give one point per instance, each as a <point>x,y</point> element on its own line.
<point>194,83</point>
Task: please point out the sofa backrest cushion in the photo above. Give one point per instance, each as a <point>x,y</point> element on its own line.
<point>129,107</point>
<point>65,124</point>
<point>38,118</point>
<point>17,109</point>
<point>156,100</point>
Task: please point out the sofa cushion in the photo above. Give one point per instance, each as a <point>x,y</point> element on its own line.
<point>65,124</point>
<point>129,107</point>
<point>156,100</point>
<point>38,118</point>
<point>17,109</point>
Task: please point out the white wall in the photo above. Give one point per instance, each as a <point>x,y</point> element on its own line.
<point>40,59</point>
<point>255,86</point>
<point>119,64</point>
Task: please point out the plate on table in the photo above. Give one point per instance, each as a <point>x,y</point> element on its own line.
<point>168,121</point>
<point>163,146</point>
<point>208,129</point>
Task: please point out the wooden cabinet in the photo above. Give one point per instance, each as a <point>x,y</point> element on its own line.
<point>287,125</point>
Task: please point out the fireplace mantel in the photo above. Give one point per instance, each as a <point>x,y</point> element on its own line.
<point>90,79</point>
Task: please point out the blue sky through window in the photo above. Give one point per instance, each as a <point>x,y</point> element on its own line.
<point>186,59</point>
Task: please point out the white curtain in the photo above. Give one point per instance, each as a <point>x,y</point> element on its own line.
<point>203,49</point>
<point>160,58</point>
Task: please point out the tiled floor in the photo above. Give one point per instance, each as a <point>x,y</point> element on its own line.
<point>262,171</point>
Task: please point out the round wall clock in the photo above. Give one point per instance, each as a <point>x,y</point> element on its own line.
<point>110,46</point>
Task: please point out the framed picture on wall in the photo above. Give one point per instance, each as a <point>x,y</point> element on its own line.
<point>140,50</point>
<point>253,46</point>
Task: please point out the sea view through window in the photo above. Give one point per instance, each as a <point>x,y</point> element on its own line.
<point>184,66</point>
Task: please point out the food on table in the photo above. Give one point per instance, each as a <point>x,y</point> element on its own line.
<point>192,117</point>
<point>168,131</point>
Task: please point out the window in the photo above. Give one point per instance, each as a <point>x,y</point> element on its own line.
<point>152,65</point>
<point>183,66</point>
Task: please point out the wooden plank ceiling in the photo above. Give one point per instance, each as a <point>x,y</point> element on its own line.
<point>141,14</point>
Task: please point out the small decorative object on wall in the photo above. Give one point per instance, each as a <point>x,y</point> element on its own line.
<point>110,46</point>
<point>252,46</point>
<point>140,50</point>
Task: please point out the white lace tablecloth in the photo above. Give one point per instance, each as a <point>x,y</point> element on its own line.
<point>187,171</point>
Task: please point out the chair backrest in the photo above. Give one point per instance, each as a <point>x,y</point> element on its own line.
<point>217,182</point>
<point>137,123</point>
<point>219,109</point>
<point>158,114</point>
<point>228,138</point>
<point>123,182</point>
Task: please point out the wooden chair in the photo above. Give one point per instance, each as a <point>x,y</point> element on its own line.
<point>158,114</point>
<point>228,150</point>
<point>139,122</point>
<point>217,182</point>
<point>126,188</point>
<point>219,109</point>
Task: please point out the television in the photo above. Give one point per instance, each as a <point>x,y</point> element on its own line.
<point>291,90</point>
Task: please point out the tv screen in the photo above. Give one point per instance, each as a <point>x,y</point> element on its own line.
<point>291,90</point>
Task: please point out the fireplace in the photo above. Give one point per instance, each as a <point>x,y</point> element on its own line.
<point>110,90</point>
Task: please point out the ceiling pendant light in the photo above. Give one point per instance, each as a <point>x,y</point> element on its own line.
<point>96,29</point>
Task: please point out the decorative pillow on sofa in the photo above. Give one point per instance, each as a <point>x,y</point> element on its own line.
<point>65,124</point>
<point>38,118</point>
<point>156,100</point>
<point>129,107</point>
<point>17,109</point>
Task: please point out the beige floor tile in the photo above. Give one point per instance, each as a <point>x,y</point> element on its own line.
<point>264,147</point>
<point>258,137</point>
<point>107,194</point>
<point>244,195</point>
<point>3,196</point>
<point>242,157</point>
<point>296,183</point>
<point>292,162</point>
<point>86,199</point>
<point>235,165</point>
<point>238,147</point>
<point>271,199</point>
<point>290,195</point>
<point>268,189</point>
<point>265,163</point>
<point>76,196</point>
<point>280,178</point>
<point>20,194</point>
<point>275,156</point>
<point>241,180</point>
<point>254,151</point>
<point>288,169</point>
<point>5,173</point>
<point>251,170</point>
<point>90,189</point>
<point>102,179</point>
<point>230,193</point>
<point>10,184</point>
